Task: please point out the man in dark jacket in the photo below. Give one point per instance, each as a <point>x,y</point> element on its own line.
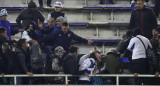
<point>157,8</point>
<point>71,65</point>
<point>64,37</point>
<point>29,15</point>
<point>22,55</point>
<point>144,18</point>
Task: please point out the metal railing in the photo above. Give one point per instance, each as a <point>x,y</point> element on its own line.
<point>68,75</point>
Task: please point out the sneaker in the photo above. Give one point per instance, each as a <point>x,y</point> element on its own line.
<point>49,5</point>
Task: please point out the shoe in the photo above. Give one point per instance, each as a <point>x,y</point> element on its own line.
<point>49,5</point>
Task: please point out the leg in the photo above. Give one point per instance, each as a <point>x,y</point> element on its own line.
<point>49,3</point>
<point>40,3</point>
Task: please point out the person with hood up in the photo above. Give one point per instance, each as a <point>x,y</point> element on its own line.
<point>28,15</point>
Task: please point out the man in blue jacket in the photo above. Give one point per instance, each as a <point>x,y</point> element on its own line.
<point>5,23</point>
<point>64,37</point>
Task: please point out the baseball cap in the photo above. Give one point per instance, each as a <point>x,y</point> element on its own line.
<point>3,12</point>
<point>58,4</point>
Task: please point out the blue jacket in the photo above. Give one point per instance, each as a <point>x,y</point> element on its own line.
<point>10,30</point>
<point>61,39</point>
<point>58,28</point>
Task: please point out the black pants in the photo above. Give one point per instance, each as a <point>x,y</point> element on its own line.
<point>139,66</point>
<point>41,2</point>
<point>157,7</point>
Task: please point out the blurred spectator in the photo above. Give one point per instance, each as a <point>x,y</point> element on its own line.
<point>64,37</point>
<point>122,46</point>
<point>5,23</point>
<point>4,38</point>
<point>139,63</point>
<point>157,8</point>
<point>59,22</point>
<point>28,15</point>
<point>112,62</point>
<point>88,66</point>
<point>57,11</point>
<point>71,65</point>
<point>41,3</point>
<point>22,55</point>
<point>55,66</point>
<point>133,2</point>
<point>144,18</point>
<point>50,26</point>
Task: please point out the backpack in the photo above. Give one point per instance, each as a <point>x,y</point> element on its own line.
<point>37,58</point>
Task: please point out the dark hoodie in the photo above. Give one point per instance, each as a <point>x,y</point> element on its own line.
<point>27,16</point>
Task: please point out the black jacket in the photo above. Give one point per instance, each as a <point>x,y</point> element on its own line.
<point>145,19</point>
<point>71,65</point>
<point>22,63</point>
<point>57,14</point>
<point>27,16</point>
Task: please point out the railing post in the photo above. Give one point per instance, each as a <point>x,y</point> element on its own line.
<point>66,79</point>
<point>15,80</point>
<point>117,80</point>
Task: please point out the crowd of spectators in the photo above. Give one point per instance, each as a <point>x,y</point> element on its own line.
<point>47,49</point>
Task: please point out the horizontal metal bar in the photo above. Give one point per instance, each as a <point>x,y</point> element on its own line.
<point>63,75</point>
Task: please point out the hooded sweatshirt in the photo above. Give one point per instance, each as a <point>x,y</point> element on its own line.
<point>27,16</point>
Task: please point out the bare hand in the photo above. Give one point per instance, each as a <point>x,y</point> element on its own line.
<point>2,74</point>
<point>157,74</point>
<point>30,73</point>
<point>21,30</point>
<point>86,74</point>
<point>90,42</point>
<point>121,56</point>
<point>135,74</point>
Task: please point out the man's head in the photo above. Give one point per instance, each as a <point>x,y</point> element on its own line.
<point>140,4</point>
<point>74,50</point>
<point>32,5</point>
<point>3,14</point>
<point>22,43</point>
<point>51,22</point>
<point>60,20</point>
<point>65,27</point>
<point>3,32</point>
<point>58,6</point>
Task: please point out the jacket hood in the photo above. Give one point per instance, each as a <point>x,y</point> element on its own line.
<point>32,4</point>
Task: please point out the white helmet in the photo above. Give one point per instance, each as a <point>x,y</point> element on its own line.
<point>58,4</point>
<point>3,12</point>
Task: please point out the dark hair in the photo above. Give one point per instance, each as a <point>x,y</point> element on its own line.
<point>65,24</point>
<point>20,42</point>
<point>136,31</point>
<point>93,55</point>
<point>73,49</point>
<point>2,29</point>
